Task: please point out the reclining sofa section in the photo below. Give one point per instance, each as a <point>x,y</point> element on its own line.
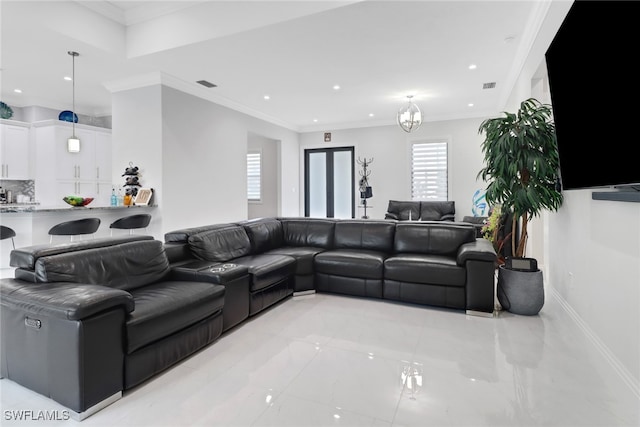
<point>82,322</point>
<point>431,263</point>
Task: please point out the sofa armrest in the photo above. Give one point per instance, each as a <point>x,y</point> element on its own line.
<point>480,250</point>
<point>68,301</point>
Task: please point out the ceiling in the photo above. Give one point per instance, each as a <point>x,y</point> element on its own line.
<point>377,52</point>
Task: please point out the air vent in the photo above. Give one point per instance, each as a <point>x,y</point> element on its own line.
<point>206,83</point>
<point>489,85</point>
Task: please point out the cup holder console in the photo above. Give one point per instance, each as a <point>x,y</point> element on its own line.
<point>221,268</point>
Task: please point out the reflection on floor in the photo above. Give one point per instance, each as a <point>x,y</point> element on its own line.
<point>326,360</point>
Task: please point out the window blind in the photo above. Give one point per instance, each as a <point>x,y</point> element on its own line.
<point>429,175</point>
<point>254,176</point>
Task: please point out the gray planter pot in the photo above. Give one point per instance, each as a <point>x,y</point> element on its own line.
<point>520,292</point>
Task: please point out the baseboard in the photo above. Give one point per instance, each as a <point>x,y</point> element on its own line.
<point>615,363</point>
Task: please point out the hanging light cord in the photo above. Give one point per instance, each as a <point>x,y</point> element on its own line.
<point>73,90</point>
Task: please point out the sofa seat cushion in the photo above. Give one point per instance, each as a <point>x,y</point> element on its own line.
<point>267,269</point>
<point>303,255</point>
<point>421,268</point>
<point>167,307</point>
<point>359,263</point>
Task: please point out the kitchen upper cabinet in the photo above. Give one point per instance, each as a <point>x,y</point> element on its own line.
<point>60,173</point>
<point>75,166</point>
<point>14,151</point>
<point>103,156</point>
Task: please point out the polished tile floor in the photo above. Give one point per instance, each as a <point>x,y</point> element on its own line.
<point>326,360</point>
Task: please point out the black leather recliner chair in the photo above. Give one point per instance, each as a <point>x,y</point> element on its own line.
<point>82,322</point>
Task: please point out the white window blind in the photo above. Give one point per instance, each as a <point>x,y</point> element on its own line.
<point>429,170</point>
<point>254,176</point>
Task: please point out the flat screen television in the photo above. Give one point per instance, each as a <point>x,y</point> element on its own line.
<point>594,82</point>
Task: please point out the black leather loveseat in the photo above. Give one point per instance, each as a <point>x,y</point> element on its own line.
<point>432,263</point>
<point>421,210</point>
<point>81,322</point>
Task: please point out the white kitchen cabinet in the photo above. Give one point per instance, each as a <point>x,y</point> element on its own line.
<point>60,173</point>
<point>75,166</point>
<point>14,151</point>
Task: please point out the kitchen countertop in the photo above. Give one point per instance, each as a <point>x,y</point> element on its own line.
<point>31,207</point>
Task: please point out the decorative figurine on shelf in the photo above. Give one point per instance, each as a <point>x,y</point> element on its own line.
<point>131,184</point>
<point>366,192</point>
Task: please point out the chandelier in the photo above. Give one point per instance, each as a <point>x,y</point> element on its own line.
<point>409,117</point>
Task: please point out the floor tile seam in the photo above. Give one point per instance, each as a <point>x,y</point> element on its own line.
<point>283,391</point>
<point>316,402</point>
<point>622,372</point>
<point>363,352</point>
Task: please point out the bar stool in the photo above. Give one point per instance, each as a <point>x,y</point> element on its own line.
<point>74,228</point>
<point>7,233</point>
<point>131,222</point>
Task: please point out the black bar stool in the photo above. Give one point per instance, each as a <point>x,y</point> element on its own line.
<point>7,233</point>
<point>74,228</point>
<point>131,222</point>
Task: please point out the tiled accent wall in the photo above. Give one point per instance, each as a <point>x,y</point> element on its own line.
<point>16,187</point>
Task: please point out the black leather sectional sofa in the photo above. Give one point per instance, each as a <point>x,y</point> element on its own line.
<point>431,262</point>
<point>84,321</point>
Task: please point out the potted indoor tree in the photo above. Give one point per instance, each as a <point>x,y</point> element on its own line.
<point>522,171</point>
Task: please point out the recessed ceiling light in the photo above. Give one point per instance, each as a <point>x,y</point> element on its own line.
<point>67,78</point>
<point>315,120</point>
<point>371,114</point>
<point>336,87</point>
<point>267,97</point>
<point>473,66</point>
<point>17,90</point>
<point>470,104</point>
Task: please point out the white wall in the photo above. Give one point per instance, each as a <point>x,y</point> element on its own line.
<point>594,254</point>
<point>268,205</point>
<point>193,153</point>
<point>389,146</point>
<point>592,250</point>
<point>137,138</point>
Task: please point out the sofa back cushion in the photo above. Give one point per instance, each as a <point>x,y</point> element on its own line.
<point>371,235</point>
<point>220,245</point>
<point>264,234</point>
<point>125,266</point>
<point>437,210</point>
<point>434,238</point>
<point>27,256</point>
<point>182,235</point>
<point>317,233</point>
<point>403,209</point>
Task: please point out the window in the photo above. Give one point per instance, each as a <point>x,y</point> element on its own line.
<point>254,176</point>
<point>429,179</point>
